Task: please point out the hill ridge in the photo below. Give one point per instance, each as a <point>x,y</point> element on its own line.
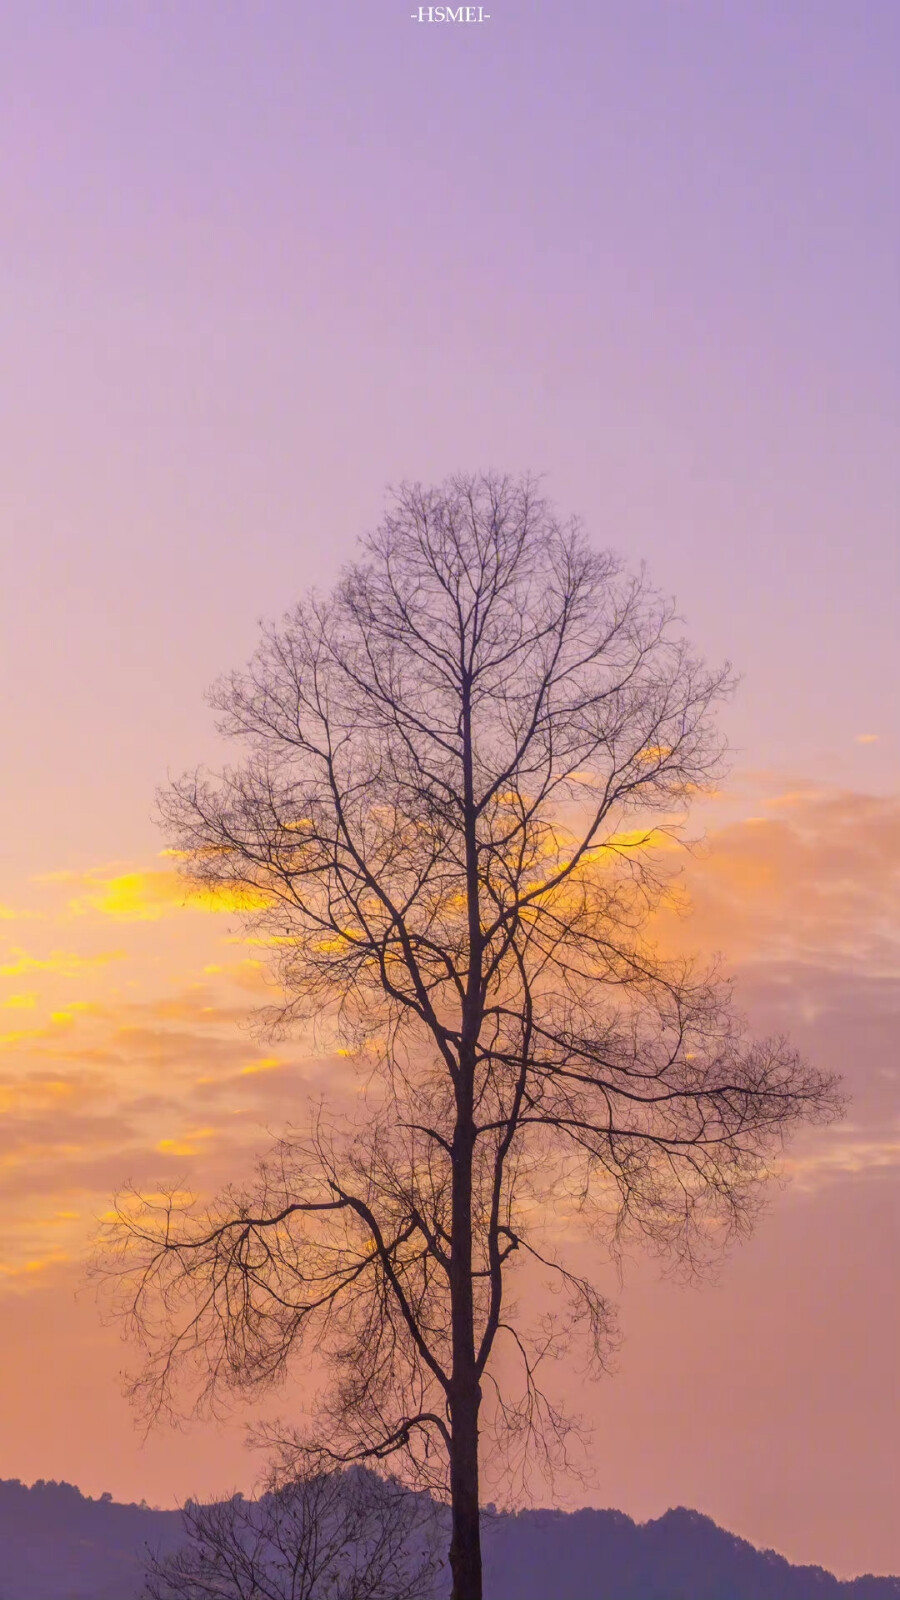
<point>59,1544</point>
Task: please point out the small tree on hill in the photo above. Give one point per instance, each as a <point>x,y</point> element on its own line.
<point>325,1535</point>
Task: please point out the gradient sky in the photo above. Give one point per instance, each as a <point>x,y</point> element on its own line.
<point>259,260</point>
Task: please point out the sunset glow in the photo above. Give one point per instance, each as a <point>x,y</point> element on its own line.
<point>261,263</point>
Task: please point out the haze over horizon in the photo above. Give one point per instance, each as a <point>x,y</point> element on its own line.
<point>260,262</point>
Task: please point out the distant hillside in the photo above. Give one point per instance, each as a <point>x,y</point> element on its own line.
<point>55,1544</point>
<point>603,1555</point>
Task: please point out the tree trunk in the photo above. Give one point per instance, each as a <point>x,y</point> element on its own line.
<point>465,1389</point>
<point>465,1543</point>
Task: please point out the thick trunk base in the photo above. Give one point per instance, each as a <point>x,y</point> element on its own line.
<point>465,1544</point>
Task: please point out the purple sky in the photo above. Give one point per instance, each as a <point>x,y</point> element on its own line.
<point>259,260</point>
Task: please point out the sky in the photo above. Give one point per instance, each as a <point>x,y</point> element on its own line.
<point>259,261</point>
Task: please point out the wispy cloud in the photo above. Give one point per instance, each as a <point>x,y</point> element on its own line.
<point>67,963</point>
<point>16,914</point>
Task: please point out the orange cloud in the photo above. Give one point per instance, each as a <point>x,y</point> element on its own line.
<point>119,1083</point>
<point>93,1091</point>
<point>28,1269</point>
<point>34,1093</point>
<point>818,880</point>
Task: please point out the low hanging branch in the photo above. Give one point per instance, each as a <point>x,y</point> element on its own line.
<point>454,809</point>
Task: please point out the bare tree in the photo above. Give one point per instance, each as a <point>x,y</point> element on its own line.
<point>327,1535</point>
<point>463,775</point>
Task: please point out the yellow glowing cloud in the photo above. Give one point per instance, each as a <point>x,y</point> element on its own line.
<point>19,914</point>
<point>187,1144</point>
<point>144,896</point>
<point>60,1022</point>
<point>64,962</point>
<point>247,974</point>
<point>28,1269</point>
<point>867,738</point>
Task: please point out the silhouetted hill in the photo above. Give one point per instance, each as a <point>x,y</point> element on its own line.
<point>56,1544</point>
<point>604,1555</point>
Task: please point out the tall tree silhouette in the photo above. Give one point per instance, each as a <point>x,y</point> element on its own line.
<point>459,772</point>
